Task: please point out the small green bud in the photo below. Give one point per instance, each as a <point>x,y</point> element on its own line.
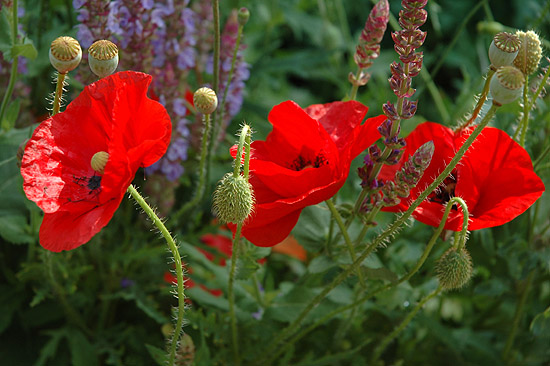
<point>65,54</point>
<point>503,49</point>
<point>205,100</point>
<point>243,16</point>
<point>530,52</point>
<point>103,58</point>
<point>454,269</point>
<point>233,199</point>
<point>507,84</point>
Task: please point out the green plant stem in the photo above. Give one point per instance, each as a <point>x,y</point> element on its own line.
<point>481,101</point>
<point>355,85</point>
<point>541,157</point>
<point>177,261</point>
<point>390,337</point>
<point>381,238</point>
<point>58,93</point>
<point>231,296</point>
<point>404,278</point>
<point>216,66</point>
<point>347,239</point>
<point>13,72</point>
<point>202,173</point>
<point>517,318</point>
<point>526,111</point>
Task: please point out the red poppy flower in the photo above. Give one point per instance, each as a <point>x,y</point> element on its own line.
<point>112,115</point>
<point>495,177</point>
<point>305,160</point>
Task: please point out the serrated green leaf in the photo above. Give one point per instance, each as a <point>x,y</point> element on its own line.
<point>540,326</point>
<point>247,266</point>
<point>26,49</point>
<point>82,351</point>
<point>50,348</point>
<point>39,296</point>
<point>157,354</point>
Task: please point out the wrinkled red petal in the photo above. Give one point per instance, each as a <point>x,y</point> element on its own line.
<point>66,230</point>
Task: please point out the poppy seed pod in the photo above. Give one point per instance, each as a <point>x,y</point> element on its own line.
<point>530,52</point>
<point>99,160</point>
<point>507,85</point>
<point>454,269</point>
<point>503,49</point>
<point>65,54</point>
<point>103,58</point>
<point>233,199</point>
<point>205,100</point>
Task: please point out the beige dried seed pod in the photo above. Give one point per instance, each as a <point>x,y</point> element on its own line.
<point>65,54</point>
<point>103,58</point>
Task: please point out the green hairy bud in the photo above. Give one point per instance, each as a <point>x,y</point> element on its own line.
<point>233,199</point>
<point>454,269</point>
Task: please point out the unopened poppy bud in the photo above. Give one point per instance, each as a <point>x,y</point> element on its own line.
<point>233,199</point>
<point>243,16</point>
<point>507,85</point>
<point>454,269</point>
<point>99,160</point>
<point>503,49</point>
<point>65,54</point>
<point>530,52</point>
<point>103,58</point>
<point>205,100</point>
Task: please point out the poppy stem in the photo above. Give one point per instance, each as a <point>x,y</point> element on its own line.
<point>231,295</point>
<point>390,337</point>
<point>179,270</point>
<point>244,142</point>
<point>201,187</point>
<point>58,96</point>
<point>480,102</point>
<point>216,66</point>
<point>355,85</point>
<point>391,230</point>
<point>347,239</point>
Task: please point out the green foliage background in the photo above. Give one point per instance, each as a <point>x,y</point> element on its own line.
<point>73,309</point>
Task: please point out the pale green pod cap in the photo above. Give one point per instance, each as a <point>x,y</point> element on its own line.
<point>65,54</point>
<point>103,57</point>
<point>503,49</point>
<point>507,85</point>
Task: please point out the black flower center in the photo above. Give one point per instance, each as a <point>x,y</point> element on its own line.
<point>301,163</point>
<point>445,191</point>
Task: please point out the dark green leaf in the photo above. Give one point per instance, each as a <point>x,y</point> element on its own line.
<point>11,115</point>
<point>82,351</point>
<point>25,49</point>
<point>159,355</point>
<point>379,274</point>
<point>321,264</point>
<point>6,37</point>
<point>540,326</point>
<point>13,228</point>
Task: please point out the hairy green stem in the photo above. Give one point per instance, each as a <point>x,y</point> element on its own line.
<point>231,296</point>
<point>381,238</point>
<point>481,101</point>
<point>526,111</point>
<point>390,337</point>
<point>58,96</point>
<point>177,261</point>
<point>347,239</point>
<point>202,173</point>
<point>13,72</point>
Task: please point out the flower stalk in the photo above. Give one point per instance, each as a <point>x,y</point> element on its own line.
<point>179,270</point>
<point>15,62</point>
<point>58,96</point>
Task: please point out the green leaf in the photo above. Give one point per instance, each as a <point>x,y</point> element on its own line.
<point>82,351</point>
<point>380,274</point>
<point>50,348</point>
<point>13,228</point>
<point>320,264</point>
<point>6,37</point>
<point>206,298</point>
<point>9,302</point>
<point>312,228</point>
<point>158,355</point>
<point>246,266</point>
<point>26,49</point>
<point>540,326</point>
<point>11,115</point>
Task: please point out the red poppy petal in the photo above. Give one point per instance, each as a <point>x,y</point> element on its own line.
<point>64,230</point>
<point>274,233</point>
